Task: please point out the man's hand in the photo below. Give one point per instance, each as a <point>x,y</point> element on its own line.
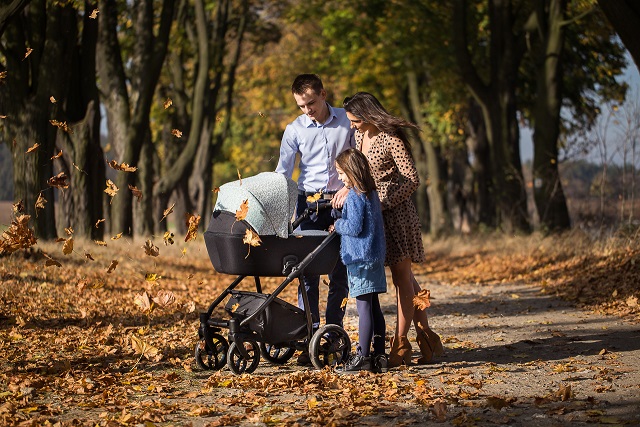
<point>339,198</point>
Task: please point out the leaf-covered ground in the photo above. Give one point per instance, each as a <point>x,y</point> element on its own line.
<point>107,339</point>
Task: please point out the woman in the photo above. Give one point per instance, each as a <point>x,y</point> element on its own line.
<point>380,136</point>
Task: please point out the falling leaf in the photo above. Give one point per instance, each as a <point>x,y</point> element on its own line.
<point>61,125</point>
<point>52,99</point>
<point>421,300</point>
<point>18,207</point>
<point>122,167</point>
<point>89,256</point>
<point>234,307</point>
<point>69,231</point>
<point>117,236</point>
<point>216,190</point>
<point>27,53</point>
<point>192,227</point>
<point>176,133</point>
<point>112,266</point>
<point>17,236</point>
<point>168,238</point>
<point>100,243</point>
<point>251,238</point>
<point>151,249</point>
<point>261,114</point>
<point>164,298</point>
<point>241,213</point>
<point>94,14</point>
<point>143,301</point>
<point>167,103</point>
<point>111,189</point>
<point>67,248</point>
<point>59,181</point>
<point>239,176</point>
<point>143,349</point>
<point>50,261</point>
<point>152,277</point>
<point>136,193</point>
<point>99,221</point>
<point>79,169</point>
<point>33,148</point>
<point>40,203</point>
<point>343,304</point>
<point>184,252</point>
<point>167,211</point>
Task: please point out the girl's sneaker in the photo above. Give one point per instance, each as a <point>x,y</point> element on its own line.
<point>356,363</point>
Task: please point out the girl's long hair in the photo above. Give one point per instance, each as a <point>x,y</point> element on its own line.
<point>356,166</point>
<point>367,108</point>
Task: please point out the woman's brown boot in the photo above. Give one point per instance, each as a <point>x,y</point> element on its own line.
<point>400,352</point>
<point>430,345</point>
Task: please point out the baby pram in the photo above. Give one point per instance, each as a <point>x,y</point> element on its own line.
<point>260,323</point>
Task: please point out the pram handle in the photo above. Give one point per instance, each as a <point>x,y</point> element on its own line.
<point>317,206</point>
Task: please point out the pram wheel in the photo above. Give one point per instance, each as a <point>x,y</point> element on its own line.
<point>276,354</point>
<point>212,359</point>
<point>329,346</point>
<point>240,364</point>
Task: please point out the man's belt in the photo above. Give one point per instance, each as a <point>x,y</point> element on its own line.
<point>325,196</point>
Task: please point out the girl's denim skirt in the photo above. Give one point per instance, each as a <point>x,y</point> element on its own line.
<point>366,278</point>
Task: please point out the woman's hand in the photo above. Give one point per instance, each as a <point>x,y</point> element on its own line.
<point>339,198</point>
<point>331,229</point>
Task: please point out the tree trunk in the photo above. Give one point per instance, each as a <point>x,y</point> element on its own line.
<point>128,112</point>
<point>547,188</point>
<point>484,206</point>
<point>497,100</point>
<point>439,218</point>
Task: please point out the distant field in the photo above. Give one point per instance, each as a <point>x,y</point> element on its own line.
<point>5,214</point>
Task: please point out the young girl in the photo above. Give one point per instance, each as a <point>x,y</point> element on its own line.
<point>362,250</point>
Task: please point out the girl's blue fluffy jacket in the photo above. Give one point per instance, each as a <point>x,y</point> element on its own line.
<point>361,229</point>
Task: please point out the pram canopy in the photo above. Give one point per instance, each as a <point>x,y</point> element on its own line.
<point>271,198</point>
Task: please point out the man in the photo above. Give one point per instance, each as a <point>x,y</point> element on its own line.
<point>317,136</point>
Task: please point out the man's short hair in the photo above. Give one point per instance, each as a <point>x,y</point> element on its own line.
<point>306,81</point>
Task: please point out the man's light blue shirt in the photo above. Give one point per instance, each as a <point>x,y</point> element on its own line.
<point>318,144</point>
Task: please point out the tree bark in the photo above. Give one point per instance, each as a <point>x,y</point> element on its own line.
<point>128,112</point>
<point>439,217</point>
<point>497,99</point>
<point>547,186</point>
